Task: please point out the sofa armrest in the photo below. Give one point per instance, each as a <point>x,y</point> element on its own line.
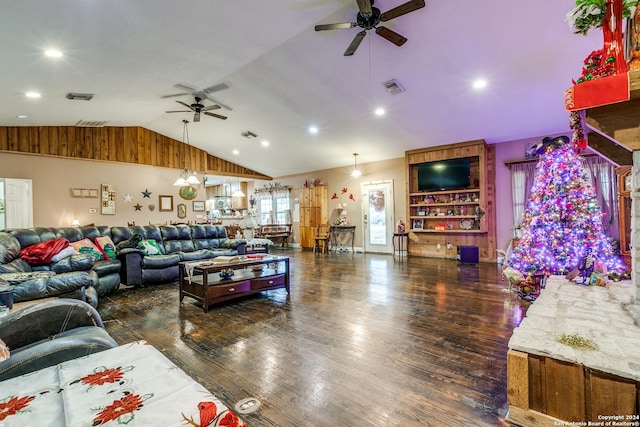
<point>239,245</point>
<point>131,266</point>
<point>43,320</point>
<point>71,344</point>
<point>77,262</point>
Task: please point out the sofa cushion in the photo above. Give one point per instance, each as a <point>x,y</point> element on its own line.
<point>160,261</point>
<point>106,246</point>
<point>86,246</point>
<point>196,255</point>
<point>14,279</point>
<point>9,248</point>
<point>18,265</point>
<point>77,262</point>
<point>106,267</point>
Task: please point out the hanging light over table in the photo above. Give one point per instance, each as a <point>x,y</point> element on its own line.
<point>356,173</point>
<point>187,176</point>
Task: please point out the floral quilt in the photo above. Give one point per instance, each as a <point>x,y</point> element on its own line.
<point>133,385</point>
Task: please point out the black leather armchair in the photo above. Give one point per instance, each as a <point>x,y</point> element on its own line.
<point>49,333</point>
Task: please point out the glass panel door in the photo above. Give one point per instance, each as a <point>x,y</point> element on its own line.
<point>378,221</point>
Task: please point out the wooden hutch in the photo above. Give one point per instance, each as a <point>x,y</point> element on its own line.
<point>441,221</point>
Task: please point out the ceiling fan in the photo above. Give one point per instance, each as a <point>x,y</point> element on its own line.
<point>369,17</point>
<point>200,93</point>
<point>198,108</point>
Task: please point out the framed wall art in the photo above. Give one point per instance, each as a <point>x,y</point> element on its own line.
<point>198,206</point>
<point>108,205</point>
<point>182,210</point>
<point>165,204</point>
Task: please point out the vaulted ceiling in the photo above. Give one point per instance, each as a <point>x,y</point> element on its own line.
<point>283,76</point>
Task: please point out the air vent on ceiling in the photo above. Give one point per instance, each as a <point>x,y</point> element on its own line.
<point>248,134</point>
<point>79,96</point>
<point>91,123</point>
<point>392,87</point>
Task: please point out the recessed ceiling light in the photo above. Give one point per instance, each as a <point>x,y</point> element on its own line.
<point>379,111</point>
<point>265,143</point>
<point>32,95</point>
<point>53,53</point>
<point>479,84</point>
<point>313,130</point>
<point>23,116</point>
<point>236,152</point>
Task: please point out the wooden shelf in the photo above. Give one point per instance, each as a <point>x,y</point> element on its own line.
<point>442,217</point>
<point>450,231</point>
<point>436,193</point>
<point>419,205</point>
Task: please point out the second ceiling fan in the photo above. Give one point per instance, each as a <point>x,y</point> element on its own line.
<point>369,17</point>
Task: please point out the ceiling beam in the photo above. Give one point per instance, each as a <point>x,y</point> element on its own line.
<point>608,149</point>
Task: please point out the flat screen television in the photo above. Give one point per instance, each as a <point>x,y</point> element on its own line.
<point>451,174</point>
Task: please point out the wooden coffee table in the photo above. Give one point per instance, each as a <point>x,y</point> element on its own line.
<point>201,280</point>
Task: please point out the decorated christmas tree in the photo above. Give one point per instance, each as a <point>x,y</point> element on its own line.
<point>562,222</point>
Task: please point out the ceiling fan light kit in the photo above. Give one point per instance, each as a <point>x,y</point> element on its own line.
<point>369,18</point>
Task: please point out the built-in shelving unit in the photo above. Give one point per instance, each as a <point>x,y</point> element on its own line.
<point>440,221</point>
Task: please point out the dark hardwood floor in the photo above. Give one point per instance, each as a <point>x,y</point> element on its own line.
<point>362,340</point>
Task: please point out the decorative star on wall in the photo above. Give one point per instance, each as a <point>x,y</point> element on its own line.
<point>146,193</point>
<point>127,198</point>
<point>137,206</point>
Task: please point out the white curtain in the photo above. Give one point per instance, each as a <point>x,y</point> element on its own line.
<point>602,177</point>
<point>522,175</point>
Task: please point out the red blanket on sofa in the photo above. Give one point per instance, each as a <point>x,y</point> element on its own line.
<point>41,253</point>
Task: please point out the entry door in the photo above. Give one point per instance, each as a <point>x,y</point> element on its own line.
<point>377,217</point>
<point>18,203</point>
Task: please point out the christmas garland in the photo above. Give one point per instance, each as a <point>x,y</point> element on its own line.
<point>590,13</point>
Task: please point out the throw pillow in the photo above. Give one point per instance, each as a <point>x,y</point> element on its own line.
<point>66,252</point>
<point>150,247</point>
<point>106,246</point>
<point>41,253</point>
<point>4,351</point>
<point>86,246</point>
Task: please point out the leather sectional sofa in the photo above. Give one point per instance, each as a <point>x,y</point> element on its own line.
<point>81,276</point>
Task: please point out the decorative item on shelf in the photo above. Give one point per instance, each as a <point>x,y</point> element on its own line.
<point>417,224</point>
<point>226,274</point>
<point>467,224</point>
<point>187,176</point>
<point>400,227</point>
<point>440,226</point>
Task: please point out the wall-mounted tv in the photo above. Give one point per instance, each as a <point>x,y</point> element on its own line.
<point>450,174</point>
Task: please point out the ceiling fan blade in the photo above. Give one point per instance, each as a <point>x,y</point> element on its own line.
<point>355,43</point>
<point>391,35</point>
<point>178,111</point>
<point>215,101</point>
<point>196,116</point>
<point>365,7</point>
<point>174,95</point>
<point>324,27</point>
<point>215,88</point>
<point>184,103</point>
<point>218,116</point>
<point>403,9</point>
<point>211,107</point>
<point>185,87</point>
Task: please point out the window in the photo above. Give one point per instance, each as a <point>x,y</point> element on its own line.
<point>282,210</point>
<point>265,211</point>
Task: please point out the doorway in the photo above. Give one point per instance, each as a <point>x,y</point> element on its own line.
<point>18,203</point>
<point>377,217</point>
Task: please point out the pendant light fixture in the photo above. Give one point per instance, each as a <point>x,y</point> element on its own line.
<point>356,173</point>
<point>238,192</point>
<point>187,176</point>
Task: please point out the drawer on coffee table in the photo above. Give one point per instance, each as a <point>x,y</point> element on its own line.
<point>228,289</point>
<point>267,282</point>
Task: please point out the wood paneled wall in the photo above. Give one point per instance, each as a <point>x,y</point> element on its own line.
<point>117,144</point>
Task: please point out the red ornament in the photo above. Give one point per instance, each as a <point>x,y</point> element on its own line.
<point>334,196</point>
